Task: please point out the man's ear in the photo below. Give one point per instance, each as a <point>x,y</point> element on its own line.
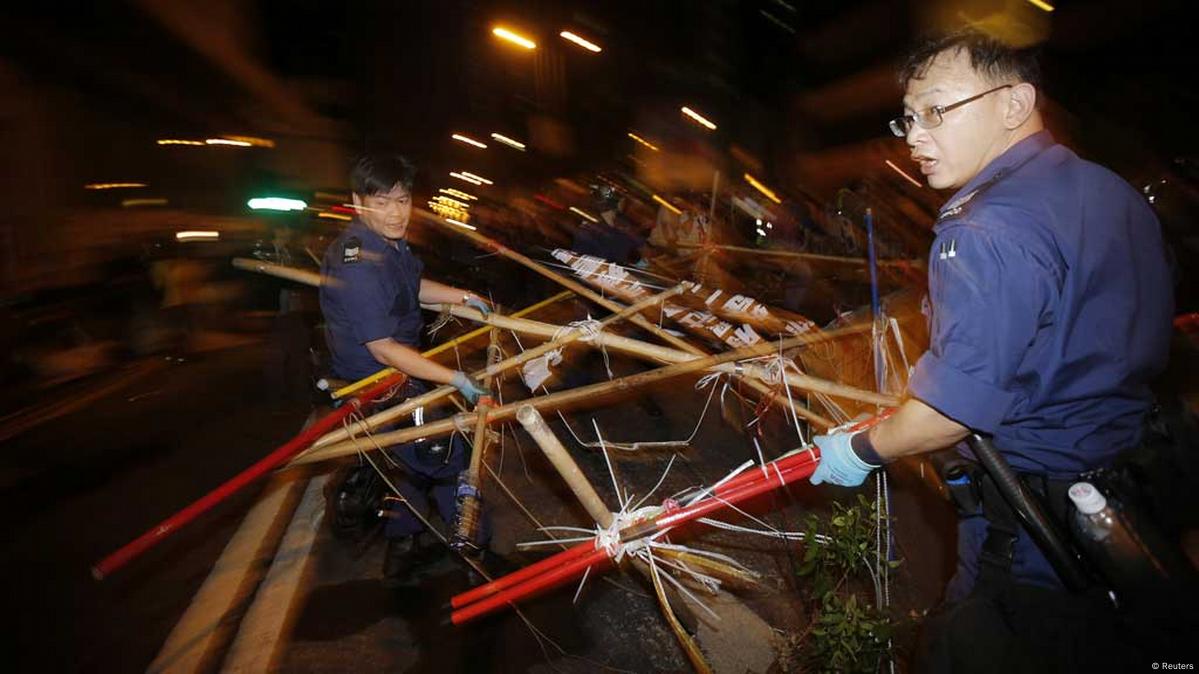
<point>1022,103</point>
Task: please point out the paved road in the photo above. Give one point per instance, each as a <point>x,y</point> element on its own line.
<point>94,479</point>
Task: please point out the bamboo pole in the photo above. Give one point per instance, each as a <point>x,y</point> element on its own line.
<point>581,487</point>
<point>470,504</point>
<point>662,354</point>
<point>574,334</point>
<point>581,395</point>
<point>797,255</point>
<point>480,331</point>
<point>304,276</point>
<point>490,244</point>
<point>349,389</point>
<point>564,463</point>
<point>535,425</point>
<point>632,347</point>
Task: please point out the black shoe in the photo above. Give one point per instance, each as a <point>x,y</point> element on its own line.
<point>398,561</point>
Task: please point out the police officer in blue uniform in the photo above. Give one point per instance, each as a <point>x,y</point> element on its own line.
<point>1050,298</point>
<point>370,297</point>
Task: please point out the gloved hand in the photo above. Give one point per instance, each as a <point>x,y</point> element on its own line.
<point>839,464</point>
<point>475,303</point>
<point>468,387</point>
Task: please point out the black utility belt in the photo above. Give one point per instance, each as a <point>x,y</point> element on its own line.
<point>967,484</point>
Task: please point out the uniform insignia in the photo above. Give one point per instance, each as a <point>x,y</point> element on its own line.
<point>957,205</point>
<point>949,249</point>
<point>351,252</point>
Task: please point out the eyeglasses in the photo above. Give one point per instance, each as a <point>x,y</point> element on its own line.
<point>931,118</point>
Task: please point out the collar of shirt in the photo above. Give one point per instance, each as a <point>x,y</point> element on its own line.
<point>1013,157</point>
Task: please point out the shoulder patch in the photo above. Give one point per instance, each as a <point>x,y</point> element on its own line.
<point>351,251</point>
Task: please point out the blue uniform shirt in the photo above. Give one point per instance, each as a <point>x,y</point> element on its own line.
<point>370,290</point>
<point>1051,309</point>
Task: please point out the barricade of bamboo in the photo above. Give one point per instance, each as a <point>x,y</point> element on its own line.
<point>592,394</point>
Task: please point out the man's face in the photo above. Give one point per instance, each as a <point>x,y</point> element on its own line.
<point>968,137</point>
<point>386,214</point>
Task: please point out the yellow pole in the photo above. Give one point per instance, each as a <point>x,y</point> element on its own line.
<point>350,389</point>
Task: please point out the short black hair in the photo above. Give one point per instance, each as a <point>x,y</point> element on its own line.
<point>990,57</point>
<point>381,172</point>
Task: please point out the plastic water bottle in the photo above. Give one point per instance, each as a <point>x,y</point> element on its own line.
<point>1113,544</point>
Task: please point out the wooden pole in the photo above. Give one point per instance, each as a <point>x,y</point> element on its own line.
<point>572,335</point>
<point>490,244</point>
<point>304,276</point>
<point>662,354</point>
<point>349,389</point>
<point>564,463</point>
<point>802,256</point>
<point>534,424</point>
<point>585,395</point>
<point>470,505</point>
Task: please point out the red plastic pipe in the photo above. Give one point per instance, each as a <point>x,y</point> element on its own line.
<point>521,575</point>
<point>285,452</point>
<point>572,562</point>
<point>533,586</point>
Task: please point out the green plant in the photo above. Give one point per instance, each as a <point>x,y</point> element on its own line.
<point>848,635</point>
<point>848,631</point>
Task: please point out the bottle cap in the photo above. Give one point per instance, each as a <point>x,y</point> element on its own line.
<point>1087,498</point>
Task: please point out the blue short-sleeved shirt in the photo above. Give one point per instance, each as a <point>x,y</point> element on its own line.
<point>1051,309</point>
<point>370,290</point>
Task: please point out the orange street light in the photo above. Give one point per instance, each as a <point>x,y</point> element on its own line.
<point>513,37</point>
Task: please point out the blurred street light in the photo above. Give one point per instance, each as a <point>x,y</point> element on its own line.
<point>583,213</point>
<point>509,142</point>
<point>177,141</point>
<point>762,188</point>
<point>469,141</point>
<point>112,186</point>
<point>514,38</point>
<point>481,179</point>
<point>585,44</point>
<point>133,203</point>
<point>699,119</point>
<point>197,235</point>
<point>1041,4</point>
<point>458,193</point>
<point>669,206</point>
<point>276,204</point>
<point>226,141</point>
<point>333,216</point>
<point>462,176</point>
<point>643,141</point>
<point>461,224</point>
<point>452,202</point>
<point>252,140</point>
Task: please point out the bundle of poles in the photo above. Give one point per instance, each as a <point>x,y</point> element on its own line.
<point>595,555</point>
<point>322,440</point>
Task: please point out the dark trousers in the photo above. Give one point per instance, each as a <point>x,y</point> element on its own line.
<point>428,476</point>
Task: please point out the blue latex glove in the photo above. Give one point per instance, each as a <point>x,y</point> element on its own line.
<point>839,464</point>
<point>468,387</point>
<point>478,304</point>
